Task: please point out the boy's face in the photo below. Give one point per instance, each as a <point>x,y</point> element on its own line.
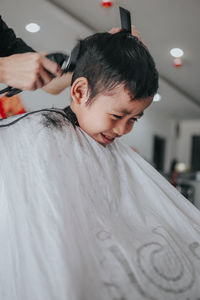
<point>109,116</point>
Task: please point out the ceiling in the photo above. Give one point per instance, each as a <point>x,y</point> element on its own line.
<point>162,24</point>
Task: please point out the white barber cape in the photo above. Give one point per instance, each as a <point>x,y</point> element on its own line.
<point>79,221</point>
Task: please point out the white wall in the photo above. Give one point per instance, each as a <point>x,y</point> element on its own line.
<point>58,30</point>
<point>188,128</point>
<point>39,99</point>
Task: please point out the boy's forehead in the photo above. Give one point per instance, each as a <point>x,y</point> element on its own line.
<point>119,96</point>
<point>128,106</point>
<point>120,100</point>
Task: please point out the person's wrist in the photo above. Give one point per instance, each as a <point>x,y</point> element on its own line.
<point>4,67</point>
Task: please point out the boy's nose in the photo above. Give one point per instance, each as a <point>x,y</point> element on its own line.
<point>121,129</point>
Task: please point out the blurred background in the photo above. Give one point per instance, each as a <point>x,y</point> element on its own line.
<point>168,136</point>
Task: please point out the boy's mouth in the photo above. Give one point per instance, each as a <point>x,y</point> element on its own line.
<point>107,139</point>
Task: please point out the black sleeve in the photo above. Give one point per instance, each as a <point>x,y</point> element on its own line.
<point>9,43</point>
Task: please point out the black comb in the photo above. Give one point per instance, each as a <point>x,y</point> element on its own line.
<point>125,17</point>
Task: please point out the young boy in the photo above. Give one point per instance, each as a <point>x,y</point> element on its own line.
<point>114,82</point>
<point>82,216</point>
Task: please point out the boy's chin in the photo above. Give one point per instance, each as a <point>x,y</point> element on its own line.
<point>101,139</point>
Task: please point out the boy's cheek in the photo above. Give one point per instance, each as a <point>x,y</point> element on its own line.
<point>95,123</point>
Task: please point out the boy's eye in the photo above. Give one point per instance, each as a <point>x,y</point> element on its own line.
<point>134,120</point>
<point>117,116</point>
<point>120,117</point>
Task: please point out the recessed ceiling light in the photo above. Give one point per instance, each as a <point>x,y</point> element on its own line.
<point>157,98</point>
<point>176,52</point>
<point>32,27</point>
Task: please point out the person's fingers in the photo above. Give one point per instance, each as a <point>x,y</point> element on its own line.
<point>39,83</point>
<point>115,30</point>
<point>136,33</point>
<point>45,76</point>
<point>51,66</point>
<point>57,85</point>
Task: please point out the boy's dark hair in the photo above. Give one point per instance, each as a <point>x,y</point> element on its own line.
<point>107,60</point>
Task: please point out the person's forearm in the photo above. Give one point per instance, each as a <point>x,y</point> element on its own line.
<point>57,85</point>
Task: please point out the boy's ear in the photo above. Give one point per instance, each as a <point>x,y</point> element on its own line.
<point>80,90</point>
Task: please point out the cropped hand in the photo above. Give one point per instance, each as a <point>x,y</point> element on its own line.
<point>134,32</point>
<point>27,71</point>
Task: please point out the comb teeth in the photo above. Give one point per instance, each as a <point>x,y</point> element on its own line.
<point>125,17</point>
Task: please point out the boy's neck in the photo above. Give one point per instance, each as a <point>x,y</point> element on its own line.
<point>71,115</point>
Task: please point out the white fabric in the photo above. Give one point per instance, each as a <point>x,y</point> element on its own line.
<point>82,222</point>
